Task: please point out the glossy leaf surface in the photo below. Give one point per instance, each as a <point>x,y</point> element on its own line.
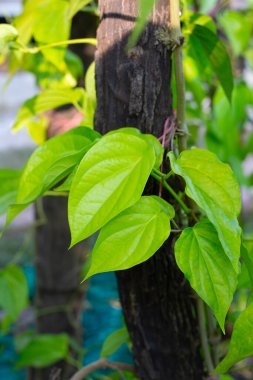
<point>110,178</point>
<point>201,257</point>
<point>53,161</point>
<point>133,236</point>
<point>9,180</point>
<point>212,185</point>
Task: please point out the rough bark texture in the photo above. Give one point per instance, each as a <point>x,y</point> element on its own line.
<point>133,89</point>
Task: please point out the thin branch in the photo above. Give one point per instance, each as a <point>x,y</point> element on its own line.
<point>37,49</point>
<point>102,364</point>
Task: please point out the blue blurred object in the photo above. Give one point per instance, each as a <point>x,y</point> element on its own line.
<point>102,315</point>
<point>8,357</point>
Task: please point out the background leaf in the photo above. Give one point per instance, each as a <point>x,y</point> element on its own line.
<point>43,350</point>
<point>114,341</point>
<point>204,41</point>
<point>9,180</point>
<point>241,344</point>
<point>201,257</point>
<point>7,34</point>
<point>14,291</point>
<point>47,100</point>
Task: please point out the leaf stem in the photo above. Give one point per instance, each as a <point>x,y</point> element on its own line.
<point>174,194</point>
<point>203,335</point>
<point>37,49</point>
<point>170,190</point>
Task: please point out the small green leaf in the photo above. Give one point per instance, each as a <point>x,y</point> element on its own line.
<point>201,257</point>
<point>14,291</point>
<point>212,185</point>
<point>76,5</point>
<point>110,178</point>
<point>133,236</point>
<point>7,34</point>
<point>9,180</point>
<point>145,8</point>
<point>43,350</point>
<point>47,100</point>
<point>241,343</point>
<point>114,341</point>
<point>215,51</point>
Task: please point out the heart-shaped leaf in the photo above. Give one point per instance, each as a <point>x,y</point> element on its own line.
<point>110,178</point>
<point>201,257</point>
<point>212,185</point>
<point>133,236</point>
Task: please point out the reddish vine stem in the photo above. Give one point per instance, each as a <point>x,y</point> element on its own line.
<point>102,364</point>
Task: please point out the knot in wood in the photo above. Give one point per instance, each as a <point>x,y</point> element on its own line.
<point>167,38</point>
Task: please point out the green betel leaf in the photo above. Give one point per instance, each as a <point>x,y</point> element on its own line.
<point>216,53</point>
<point>43,350</point>
<point>14,291</point>
<point>9,180</point>
<point>114,341</point>
<point>133,236</point>
<point>47,100</point>
<point>7,34</point>
<point>241,343</point>
<point>49,164</point>
<point>201,257</point>
<point>152,140</point>
<point>110,178</point>
<point>212,185</point>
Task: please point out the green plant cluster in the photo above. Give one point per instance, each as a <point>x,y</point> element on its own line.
<point>104,177</point>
